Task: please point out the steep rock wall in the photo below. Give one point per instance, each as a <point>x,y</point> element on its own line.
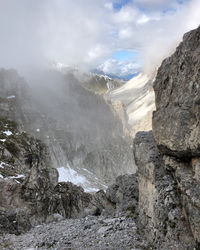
<point>177,94</point>
<point>168,166</point>
<point>176,122</point>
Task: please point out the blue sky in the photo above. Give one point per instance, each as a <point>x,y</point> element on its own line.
<point>125,55</point>
<point>118,5</point>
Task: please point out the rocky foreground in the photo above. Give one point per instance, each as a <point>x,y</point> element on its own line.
<point>108,221</point>
<point>88,233</point>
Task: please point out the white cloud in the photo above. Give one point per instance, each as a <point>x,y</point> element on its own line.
<point>61,30</point>
<point>108,6</point>
<point>85,33</point>
<point>119,68</point>
<point>155,34</point>
<point>143,19</point>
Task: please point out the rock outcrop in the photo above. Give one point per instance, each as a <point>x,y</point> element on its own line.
<point>177,94</point>
<point>176,122</point>
<point>168,166</point>
<point>160,210</point>
<point>30,192</point>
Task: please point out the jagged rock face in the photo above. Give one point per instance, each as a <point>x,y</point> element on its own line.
<point>168,167</point>
<point>30,192</point>
<point>187,178</point>
<point>160,203</point>
<point>25,165</point>
<point>177,90</point>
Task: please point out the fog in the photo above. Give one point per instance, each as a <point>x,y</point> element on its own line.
<point>86,33</point>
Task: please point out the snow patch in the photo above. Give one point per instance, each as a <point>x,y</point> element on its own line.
<point>2,140</point>
<point>2,164</point>
<point>8,132</point>
<point>11,97</point>
<point>38,130</point>
<point>90,190</point>
<point>16,177</point>
<point>69,174</point>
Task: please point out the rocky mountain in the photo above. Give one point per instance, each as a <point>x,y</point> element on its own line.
<point>73,120</point>
<point>54,130</point>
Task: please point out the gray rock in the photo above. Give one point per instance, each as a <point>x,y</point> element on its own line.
<point>176,126</point>
<point>177,91</point>
<point>160,213</point>
<point>87,233</point>
<point>103,230</point>
<point>124,193</point>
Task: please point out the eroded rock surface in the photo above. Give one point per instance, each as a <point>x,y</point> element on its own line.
<point>160,207</point>
<point>30,192</point>
<point>124,194</point>
<point>168,166</point>
<point>177,94</point>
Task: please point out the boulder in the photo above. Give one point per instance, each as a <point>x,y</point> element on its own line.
<point>124,193</point>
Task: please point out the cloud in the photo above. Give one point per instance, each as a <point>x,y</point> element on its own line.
<point>34,32</point>
<point>86,33</point>
<point>156,33</point>
<point>119,68</point>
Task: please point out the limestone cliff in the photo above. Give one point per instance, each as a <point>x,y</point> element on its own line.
<point>168,166</point>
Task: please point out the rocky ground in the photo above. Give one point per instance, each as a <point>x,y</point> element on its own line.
<point>91,232</point>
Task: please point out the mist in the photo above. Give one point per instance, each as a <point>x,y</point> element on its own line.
<point>85,34</point>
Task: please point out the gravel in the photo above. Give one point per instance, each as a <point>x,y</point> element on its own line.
<point>90,232</point>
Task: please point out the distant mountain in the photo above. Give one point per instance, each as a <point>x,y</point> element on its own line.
<point>136,99</point>
<point>123,78</point>
<point>95,80</point>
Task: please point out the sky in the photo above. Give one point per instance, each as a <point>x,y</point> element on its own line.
<point>118,37</point>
